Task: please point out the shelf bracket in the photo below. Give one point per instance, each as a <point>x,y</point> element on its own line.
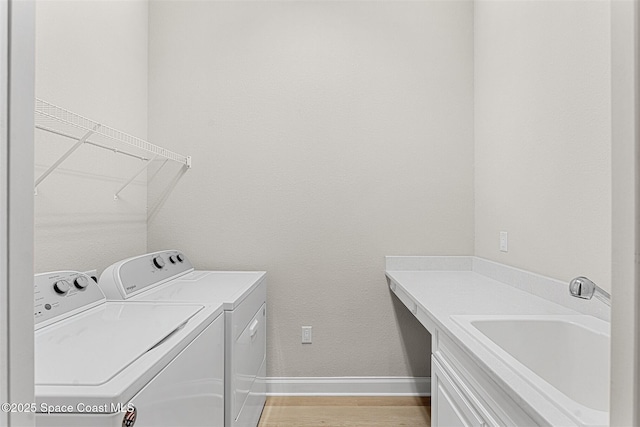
<point>64,157</point>
<point>142,169</point>
<point>157,171</point>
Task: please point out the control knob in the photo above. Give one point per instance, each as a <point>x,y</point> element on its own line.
<point>173,259</point>
<point>180,257</point>
<point>158,262</point>
<point>81,282</point>
<point>61,287</point>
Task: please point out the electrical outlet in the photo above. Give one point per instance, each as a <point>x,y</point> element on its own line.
<point>504,242</point>
<point>306,335</point>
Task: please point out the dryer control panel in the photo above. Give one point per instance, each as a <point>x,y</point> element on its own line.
<point>60,294</point>
<point>134,275</point>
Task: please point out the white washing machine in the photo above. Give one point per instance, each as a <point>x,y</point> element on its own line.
<point>121,364</point>
<point>168,276</point>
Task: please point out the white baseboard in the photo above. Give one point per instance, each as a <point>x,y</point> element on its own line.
<point>348,386</point>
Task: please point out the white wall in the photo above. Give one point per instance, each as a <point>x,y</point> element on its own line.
<point>543,136</point>
<point>16,207</point>
<point>4,185</point>
<point>91,58</point>
<point>325,135</point>
<point>625,313</point>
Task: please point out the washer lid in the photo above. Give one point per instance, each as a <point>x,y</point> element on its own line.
<point>92,347</point>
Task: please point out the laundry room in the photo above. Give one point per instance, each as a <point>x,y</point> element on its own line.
<point>318,212</point>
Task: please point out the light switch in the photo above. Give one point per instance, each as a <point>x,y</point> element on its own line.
<point>306,335</point>
<point>504,242</point>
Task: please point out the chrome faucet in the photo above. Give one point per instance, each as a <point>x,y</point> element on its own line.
<point>581,287</point>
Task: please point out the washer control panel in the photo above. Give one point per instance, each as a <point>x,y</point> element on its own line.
<point>131,276</point>
<point>59,294</point>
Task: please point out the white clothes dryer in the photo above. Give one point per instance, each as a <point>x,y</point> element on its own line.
<point>168,276</point>
<point>120,364</point>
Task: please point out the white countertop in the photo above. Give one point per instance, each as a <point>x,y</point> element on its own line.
<point>440,294</point>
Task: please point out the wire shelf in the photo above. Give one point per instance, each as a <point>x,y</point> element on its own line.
<point>61,122</point>
<point>48,115</point>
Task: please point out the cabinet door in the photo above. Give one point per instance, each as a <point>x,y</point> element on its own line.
<point>449,407</point>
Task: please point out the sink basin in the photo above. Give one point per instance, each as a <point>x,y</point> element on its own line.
<point>566,357</point>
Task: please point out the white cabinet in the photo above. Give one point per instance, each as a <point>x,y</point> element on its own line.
<point>449,406</point>
<point>479,398</point>
<point>462,392</point>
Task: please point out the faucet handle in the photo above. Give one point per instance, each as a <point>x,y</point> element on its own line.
<point>582,287</point>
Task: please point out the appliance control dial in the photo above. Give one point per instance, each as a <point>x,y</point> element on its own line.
<point>61,287</point>
<point>158,262</point>
<point>81,282</point>
<point>180,257</point>
<point>173,259</point>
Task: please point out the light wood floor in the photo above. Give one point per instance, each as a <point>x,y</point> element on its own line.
<point>346,412</point>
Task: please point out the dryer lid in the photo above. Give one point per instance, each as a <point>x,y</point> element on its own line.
<point>93,347</point>
<point>227,287</point>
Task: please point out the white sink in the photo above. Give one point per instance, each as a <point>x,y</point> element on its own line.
<point>566,357</point>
